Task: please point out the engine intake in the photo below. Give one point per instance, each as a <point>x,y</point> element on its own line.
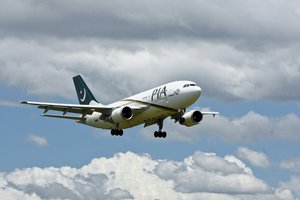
<point>191,118</point>
<point>121,114</point>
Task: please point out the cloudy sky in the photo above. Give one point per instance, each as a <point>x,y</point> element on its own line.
<point>243,54</point>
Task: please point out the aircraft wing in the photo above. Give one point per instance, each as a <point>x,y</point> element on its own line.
<point>79,109</point>
<point>70,108</point>
<point>210,113</point>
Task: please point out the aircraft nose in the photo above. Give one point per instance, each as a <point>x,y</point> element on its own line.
<point>196,92</point>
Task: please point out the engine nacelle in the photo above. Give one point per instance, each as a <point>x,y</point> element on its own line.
<point>121,114</point>
<point>191,118</point>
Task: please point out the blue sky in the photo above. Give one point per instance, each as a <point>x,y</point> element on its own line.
<point>248,70</point>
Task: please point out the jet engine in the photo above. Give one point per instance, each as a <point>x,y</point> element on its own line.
<point>191,118</point>
<point>121,114</point>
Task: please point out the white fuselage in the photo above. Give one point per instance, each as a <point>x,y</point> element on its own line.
<point>161,102</point>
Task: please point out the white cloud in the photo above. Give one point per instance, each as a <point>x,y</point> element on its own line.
<point>291,187</point>
<point>254,20</point>
<point>253,126</point>
<point>220,175</point>
<point>10,193</point>
<point>223,70</point>
<point>129,175</point>
<point>257,159</point>
<point>285,194</point>
<point>291,164</point>
<point>38,140</point>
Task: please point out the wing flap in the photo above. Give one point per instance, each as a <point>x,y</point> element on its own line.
<point>65,117</point>
<point>65,110</point>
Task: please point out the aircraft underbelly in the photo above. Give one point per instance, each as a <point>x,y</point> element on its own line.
<point>148,115</point>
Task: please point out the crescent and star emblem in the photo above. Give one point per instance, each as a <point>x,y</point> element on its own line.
<point>84,95</point>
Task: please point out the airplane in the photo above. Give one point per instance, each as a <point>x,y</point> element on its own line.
<point>150,107</point>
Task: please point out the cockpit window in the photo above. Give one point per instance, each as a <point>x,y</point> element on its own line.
<point>188,85</point>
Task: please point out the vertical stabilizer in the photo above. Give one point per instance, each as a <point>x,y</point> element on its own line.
<point>84,94</point>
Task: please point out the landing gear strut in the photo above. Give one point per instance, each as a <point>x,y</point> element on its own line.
<point>160,133</point>
<point>118,132</point>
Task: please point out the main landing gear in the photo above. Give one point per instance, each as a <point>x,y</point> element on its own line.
<point>117,132</point>
<point>160,133</point>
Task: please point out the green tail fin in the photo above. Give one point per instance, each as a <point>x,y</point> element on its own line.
<point>84,94</point>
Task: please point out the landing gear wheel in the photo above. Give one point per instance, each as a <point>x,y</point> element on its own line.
<point>160,134</point>
<point>112,132</point>
<point>117,132</point>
